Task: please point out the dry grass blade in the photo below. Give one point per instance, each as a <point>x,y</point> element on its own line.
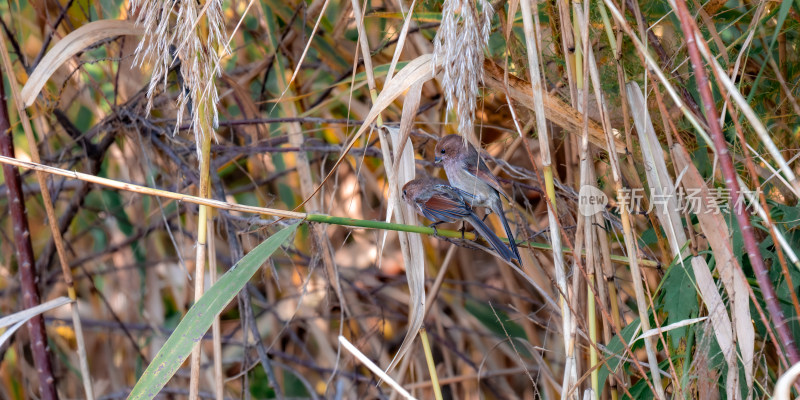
<point>721,323</point>
<point>374,368</point>
<point>661,185</point>
<point>401,41</point>
<point>70,45</point>
<point>783,388</point>
<point>15,321</point>
<point>305,50</point>
<point>676,325</point>
<point>718,235</point>
<point>410,107</point>
<point>411,244</point>
<point>27,314</point>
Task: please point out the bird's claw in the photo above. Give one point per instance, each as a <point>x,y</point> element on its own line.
<point>433,226</point>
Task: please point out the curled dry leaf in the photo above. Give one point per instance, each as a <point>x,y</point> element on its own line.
<point>70,45</point>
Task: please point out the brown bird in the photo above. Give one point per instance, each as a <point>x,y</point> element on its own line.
<point>439,202</point>
<point>467,172</point>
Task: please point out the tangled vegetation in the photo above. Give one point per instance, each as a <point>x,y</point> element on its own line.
<point>162,158</point>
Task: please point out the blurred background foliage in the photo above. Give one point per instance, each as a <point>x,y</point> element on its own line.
<point>493,335</point>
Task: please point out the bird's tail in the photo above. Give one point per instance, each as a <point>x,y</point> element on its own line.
<point>498,209</point>
<point>487,233</point>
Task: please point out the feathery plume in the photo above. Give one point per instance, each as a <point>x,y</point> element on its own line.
<point>176,30</point>
<point>463,34</point>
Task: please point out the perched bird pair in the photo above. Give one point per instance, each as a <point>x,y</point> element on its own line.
<point>473,184</point>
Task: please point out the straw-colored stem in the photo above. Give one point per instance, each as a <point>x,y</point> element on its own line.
<point>629,238</point>
<point>591,316</point>
<point>638,288</point>
<point>437,391</point>
<point>322,218</point>
<point>200,259</point>
<point>216,332</point>
<point>544,147</point>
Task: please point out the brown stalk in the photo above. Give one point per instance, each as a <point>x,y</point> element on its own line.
<point>726,164</point>
<point>22,237</point>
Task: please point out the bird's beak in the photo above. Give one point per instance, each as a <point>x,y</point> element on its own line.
<point>437,160</point>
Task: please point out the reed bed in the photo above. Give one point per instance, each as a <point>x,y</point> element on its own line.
<point>204,199</point>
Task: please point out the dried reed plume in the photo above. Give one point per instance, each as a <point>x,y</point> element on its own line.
<point>460,42</point>
<point>178,27</point>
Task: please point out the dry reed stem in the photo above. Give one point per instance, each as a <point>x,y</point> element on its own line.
<point>567,323</point>
<point>587,178</point>
<point>203,218</point>
<point>216,334</point>
<point>556,110</point>
<point>629,238</point>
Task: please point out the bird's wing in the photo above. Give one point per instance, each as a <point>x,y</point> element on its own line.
<point>478,168</point>
<point>444,205</point>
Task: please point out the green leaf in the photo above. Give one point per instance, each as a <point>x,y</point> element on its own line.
<point>616,347</point>
<point>114,205</point>
<point>498,323</point>
<point>679,301</point>
<point>199,318</point>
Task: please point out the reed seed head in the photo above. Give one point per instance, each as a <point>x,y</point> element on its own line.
<point>459,43</point>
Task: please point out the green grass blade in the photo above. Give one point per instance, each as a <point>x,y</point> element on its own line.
<point>199,318</point>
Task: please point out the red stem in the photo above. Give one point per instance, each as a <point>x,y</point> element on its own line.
<point>726,164</point>
<point>28,278</point>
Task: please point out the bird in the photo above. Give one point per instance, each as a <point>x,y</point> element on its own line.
<point>467,172</point>
<point>439,202</point>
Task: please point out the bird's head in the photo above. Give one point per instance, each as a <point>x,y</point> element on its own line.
<point>448,148</point>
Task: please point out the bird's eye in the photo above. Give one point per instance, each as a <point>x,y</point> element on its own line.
<point>442,151</point>
<point>404,193</point>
